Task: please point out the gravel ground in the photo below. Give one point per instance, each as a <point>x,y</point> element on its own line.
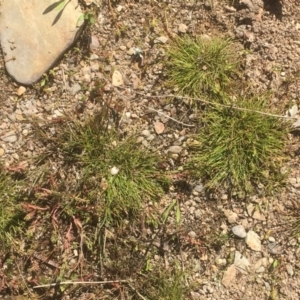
<point>106,64</point>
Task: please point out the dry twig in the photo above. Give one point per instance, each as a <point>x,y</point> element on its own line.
<point>78,282</point>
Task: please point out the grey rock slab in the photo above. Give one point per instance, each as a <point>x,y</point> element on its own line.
<point>34,35</point>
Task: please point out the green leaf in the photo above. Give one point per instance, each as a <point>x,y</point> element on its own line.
<point>43,82</point>
<point>275,264</point>
<point>178,213</point>
<point>81,18</point>
<point>167,211</point>
<point>60,5</point>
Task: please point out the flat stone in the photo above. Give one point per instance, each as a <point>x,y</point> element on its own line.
<point>221,261</point>
<point>162,39</point>
<point>94,45</point>
<point>75,88</point>
<point>231,216</point>
<point>250,209</point>
<point>239,231</point>
<point>261,269</point>
<point>229,276</point>
<point>146,133</point>
<point>21,90</point>
<point>175,149</point>
<point>253,241</point>
<point>159,127</point>
<point>271,239</point>
<point>258,216</point>
<point>289,269</point>
<point>117,78</point>
<point>38,36</point>
<point>198,213</point>
<point>274,248</point>
<point>262,263</point>
<point>199,188</point>
<point>182,28</point>
<point>95,67</point>
<point>9,137</point>
<point>241,262</point>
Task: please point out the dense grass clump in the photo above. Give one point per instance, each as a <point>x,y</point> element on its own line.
<point>11,213</point>
<point>114,174</point>
<point>239,148</point>
<point>202,67</point>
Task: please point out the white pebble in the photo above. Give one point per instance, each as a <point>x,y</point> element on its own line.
<point>239,231</point>
<point>114,170</point>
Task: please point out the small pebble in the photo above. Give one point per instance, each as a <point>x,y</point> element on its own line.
<point>94,43</point>
<point>274,248</point>
<point>229,276</point>
<point>75,89</point>
<point>10,137</point>
<point>117,78</point>
<point>289,269</point>
<point>271,239</point>
<point>175,149</point>
<point>253,241</point>
<point>241,262</point>
<point>261,269</point>
<point>21,90</point>
<point>221,261</point>
<point>239,231</point>
<point>182,28</point>
<point>162,39</point>
<point>192,234</point>
<point>146,133</point>
<point>231,216</point>
<point>151,137</point>
<point>199,188</point>
<point>95,67</point>
<point>198,214</point>
<point>159,127</point>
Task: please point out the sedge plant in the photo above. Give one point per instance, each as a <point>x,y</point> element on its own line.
<point>239,148</point>
<point>202,67</point>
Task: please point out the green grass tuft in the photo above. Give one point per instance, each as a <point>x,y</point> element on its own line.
<point>93,151</point>
<point>241,149</point>
<point>11,213</point>
<point>166,285</point>
<point>202,67</point>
